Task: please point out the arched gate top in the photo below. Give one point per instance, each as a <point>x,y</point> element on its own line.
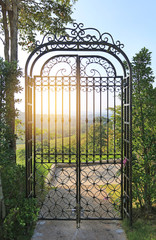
<point>78,39</point>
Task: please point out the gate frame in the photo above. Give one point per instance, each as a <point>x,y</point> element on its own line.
<point>78,39</point>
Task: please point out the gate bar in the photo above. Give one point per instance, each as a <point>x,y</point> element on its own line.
<point>78,144</point>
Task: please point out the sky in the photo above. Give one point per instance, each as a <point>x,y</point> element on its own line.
<point>132,22</point>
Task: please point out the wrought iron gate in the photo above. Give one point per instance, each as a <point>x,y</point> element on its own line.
<point>78,128</point>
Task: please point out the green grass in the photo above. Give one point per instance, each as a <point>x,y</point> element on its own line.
<point>113,192</point>
<point>142,229</point>
<point>65,140</point>
<point>65,158</point>
<point>41,174</point>
<point>20,156</point>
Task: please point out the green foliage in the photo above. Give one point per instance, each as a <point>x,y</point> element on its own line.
<point>18,213</point>
<point>115,128</point>
<point>9,84</point>
<point>21,212</point>
<point>20,156</point>
<point>144,130</point>
<point>19,218</point>
<point>97,136</point>
<point>13,180</point>
<point>99,139</point>
<point>42,17</point>
<point>33,18</point>
<point>19,129</point>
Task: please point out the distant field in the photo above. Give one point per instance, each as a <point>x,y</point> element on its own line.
<point>59,142</point>
<point>20,146</point>
<point>66,140</point>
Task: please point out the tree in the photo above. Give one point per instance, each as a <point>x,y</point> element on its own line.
<point>115,129</point>
<point>23,19</point>
<point>26,18</point>
<point>97,135</point>
<point>144,130</point>
<point>19,129</point>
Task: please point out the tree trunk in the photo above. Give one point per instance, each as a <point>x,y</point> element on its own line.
<point>6,33</point>
<point>10,102</point>
<point>13,19</point>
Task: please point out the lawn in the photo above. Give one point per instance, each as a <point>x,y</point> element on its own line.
<point>142,229</point>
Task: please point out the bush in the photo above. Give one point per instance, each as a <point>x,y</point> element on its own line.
<point>21,212</point>
<point>20,219</point>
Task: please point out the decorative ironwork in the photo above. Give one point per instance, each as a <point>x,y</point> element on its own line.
<point>81,35</point>
<point>79,157</point>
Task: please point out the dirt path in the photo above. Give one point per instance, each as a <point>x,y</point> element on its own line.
<point>90,230</point>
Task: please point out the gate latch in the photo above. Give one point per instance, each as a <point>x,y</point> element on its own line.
<point>74,210</point>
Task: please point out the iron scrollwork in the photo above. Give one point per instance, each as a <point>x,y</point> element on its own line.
<point>80,38</point>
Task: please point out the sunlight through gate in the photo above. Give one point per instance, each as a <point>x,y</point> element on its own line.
<point>78,127</point>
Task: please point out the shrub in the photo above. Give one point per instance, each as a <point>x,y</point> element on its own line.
<point>21,212</point>
<point>20,219</point>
